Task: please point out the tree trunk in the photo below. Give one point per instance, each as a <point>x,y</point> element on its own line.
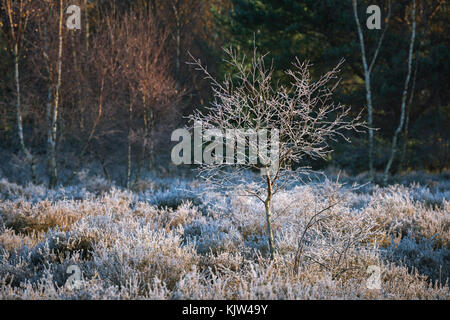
<point>404,96</point>
<point>151,143</point>
<point>144,143</point>
<point>130,118</point>
<point>408,111</point>
<point>368,89</point>
<point>18,100</point>
<point>50,142</point>
<point>28,156</point>
<point>267,205</point>
<point>16,38</point>
<point>53,173</point>
<point>369,123</point>
<point>367,79</point>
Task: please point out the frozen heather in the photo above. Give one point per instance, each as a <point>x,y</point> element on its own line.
<point>170,239</point>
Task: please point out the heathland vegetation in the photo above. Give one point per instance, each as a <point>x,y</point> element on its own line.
<point>356,204</point>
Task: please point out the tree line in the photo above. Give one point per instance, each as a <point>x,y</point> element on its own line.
<point>112,92</point>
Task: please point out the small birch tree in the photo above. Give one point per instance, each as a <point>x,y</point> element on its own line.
<point>48,58</point>
<point>301,117</point>
<point>368,76</point>
<point>18,14</point>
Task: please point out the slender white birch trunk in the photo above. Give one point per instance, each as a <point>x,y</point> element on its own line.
<point>367,79</point>
<point>53,173</point>
<point>408,111</point>
<point>16,38</point>
<point>404,96</point>
<point>130,119</point>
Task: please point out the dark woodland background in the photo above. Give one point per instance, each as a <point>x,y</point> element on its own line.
<point>108,96</point>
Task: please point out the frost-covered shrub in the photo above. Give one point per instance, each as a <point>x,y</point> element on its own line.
<point>11,191</point>
<point>97,185</point>
<point>147,254</point>
<point>129,246</point>
<point>210,236</point>
<point>171,193</point>
<point>397,211</point>
<point>424,255</point>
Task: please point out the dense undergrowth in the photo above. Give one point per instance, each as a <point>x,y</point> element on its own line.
<point>164,241</point>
